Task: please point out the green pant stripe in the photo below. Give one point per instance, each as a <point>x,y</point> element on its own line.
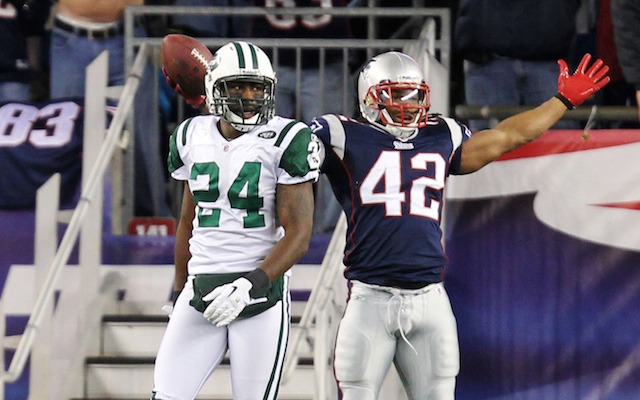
<point>283,338</point>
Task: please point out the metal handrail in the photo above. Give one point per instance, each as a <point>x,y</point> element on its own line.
<point>319,297</point>
<point>583,113</point>
<point>71,234</point>
<point>263,11</point>
<point>368,45</point>
<point>370,12</point>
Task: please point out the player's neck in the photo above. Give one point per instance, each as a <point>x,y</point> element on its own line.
<point>228,131</point>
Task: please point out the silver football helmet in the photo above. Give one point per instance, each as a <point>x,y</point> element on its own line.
<point>393,95</point>
<point>240,62</point>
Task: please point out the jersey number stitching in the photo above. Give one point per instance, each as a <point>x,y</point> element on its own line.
<point>243,194</point>
<point>387,170</point>
<point>17,123</point>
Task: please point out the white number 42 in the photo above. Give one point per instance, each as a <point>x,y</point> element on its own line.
<point>388,171</point>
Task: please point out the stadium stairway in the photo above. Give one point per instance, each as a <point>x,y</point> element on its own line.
<point>124,368</point>
<point>130,336</point>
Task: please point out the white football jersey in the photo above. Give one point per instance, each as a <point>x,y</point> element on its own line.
<point>233,183</point>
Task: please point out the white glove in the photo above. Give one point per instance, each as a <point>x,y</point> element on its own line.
<point>228,301</point>
<point>168,309</point>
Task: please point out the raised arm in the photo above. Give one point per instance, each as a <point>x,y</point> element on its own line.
<point>573,89</point>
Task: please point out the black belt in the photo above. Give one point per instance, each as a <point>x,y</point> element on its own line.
<point>104,33</point>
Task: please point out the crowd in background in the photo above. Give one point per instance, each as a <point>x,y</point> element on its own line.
<point>503,53</point>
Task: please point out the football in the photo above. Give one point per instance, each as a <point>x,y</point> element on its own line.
<point>185,60</point>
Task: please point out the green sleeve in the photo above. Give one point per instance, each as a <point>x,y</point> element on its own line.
<point>295,159</point>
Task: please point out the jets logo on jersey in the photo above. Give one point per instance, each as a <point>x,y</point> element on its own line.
<point>267,134</point>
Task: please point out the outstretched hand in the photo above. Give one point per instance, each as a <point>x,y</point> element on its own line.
<point>575,89</point>
<point>194,102</point>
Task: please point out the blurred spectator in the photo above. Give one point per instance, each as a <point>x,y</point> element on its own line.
<point>82,30</point>
<point>319,94</point>
<point>211,25</point>
<point>21,29</point>
<point>314,99</point>
<point>511,50</point>
<point>626,22</point>
<point>206,26</point>
<point>618,92</point>
<point>200,25</point>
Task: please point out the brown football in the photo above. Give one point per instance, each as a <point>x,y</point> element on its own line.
<point>185,60</point>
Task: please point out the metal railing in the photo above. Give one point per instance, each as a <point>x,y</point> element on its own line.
<point>92,181</point>
<point>581,113</point>
<point>371,13</point>
<point>318,311</point>
<point>415,18</point>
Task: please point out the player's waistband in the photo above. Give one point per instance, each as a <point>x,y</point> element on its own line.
<point>399,290</point>
<point>428,275</point>
<point>91,31</point>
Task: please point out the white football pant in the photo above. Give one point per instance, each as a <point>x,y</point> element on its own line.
<point>192,348</point>
<point>414,329</point>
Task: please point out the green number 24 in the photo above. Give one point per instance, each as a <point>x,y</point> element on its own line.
<point>249,176</point>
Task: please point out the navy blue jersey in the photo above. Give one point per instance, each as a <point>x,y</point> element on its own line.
<point>392,194</point>
<point>36,141</point>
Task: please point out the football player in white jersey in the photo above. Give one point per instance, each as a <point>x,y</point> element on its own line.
<point>246,218</point>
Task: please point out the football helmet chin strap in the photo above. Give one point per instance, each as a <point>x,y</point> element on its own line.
<point>394,129</point>
<point>399,132</point>
<point>241,124</point>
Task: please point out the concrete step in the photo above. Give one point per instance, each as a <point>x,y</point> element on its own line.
<point>140,335</point>
<point>132,378</point>
<point>143,284</point>
<point>130,341</point>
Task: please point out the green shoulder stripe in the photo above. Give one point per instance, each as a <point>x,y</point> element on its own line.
<point>283,132</point>
<point>174,161</point>
<point>184,131</point>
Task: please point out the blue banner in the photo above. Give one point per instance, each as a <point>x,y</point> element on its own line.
<point>544,270</point>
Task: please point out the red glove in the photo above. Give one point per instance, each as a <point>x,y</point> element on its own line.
<point>576,88</point>
<point>194,102</point>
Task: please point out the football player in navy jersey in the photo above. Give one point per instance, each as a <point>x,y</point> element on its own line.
<point>389,173</point>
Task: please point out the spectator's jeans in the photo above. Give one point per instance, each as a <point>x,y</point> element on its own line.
<point>511,82</point>
<point>315,100</point>
<point>14,91</point>
<point>70,55</point>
